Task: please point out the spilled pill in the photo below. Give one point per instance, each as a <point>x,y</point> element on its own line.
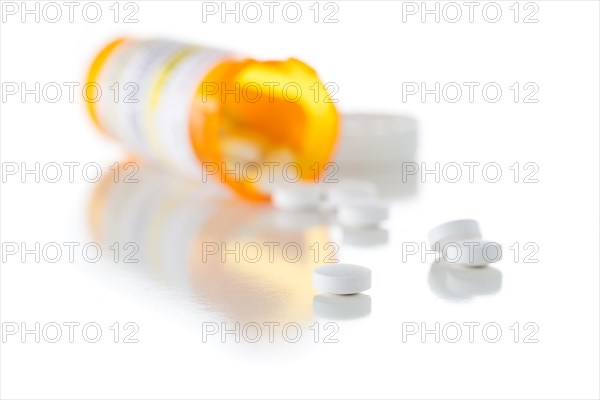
<point>296,196</point>
<point>452,231</point>
<point>362,213</point>
<point>342,278</point>
<point>472,253</point>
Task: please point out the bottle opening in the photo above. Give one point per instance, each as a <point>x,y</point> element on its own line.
<point>264,122</point>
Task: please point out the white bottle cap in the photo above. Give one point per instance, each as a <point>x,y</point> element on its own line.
<point>374,141</point>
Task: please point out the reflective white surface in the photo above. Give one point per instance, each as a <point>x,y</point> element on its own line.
<point>174,297</point>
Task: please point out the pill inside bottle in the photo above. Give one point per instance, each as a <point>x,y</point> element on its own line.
<point>210,114</point>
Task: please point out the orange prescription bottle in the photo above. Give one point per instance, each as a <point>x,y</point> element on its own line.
<point>206,112</point>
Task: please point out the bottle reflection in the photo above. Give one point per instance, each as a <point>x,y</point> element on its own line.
<point>458,283</point>
<point>244,261</point>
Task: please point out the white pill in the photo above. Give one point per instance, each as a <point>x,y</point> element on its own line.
<point>461,229</point>
<point>297,196</point>
<point>241,149</point>
<point>342,192</point>
<point>473,253</point>
<point>362,213</point>
<point>342,278</point>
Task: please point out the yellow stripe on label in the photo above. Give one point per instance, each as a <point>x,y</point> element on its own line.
<point>156,90</point>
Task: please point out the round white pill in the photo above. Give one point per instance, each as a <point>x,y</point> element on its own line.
<point>461,229</point>
<point>342,278</point>
<point>473,253</point>
<point>297,196</point>
<point>362,213</point>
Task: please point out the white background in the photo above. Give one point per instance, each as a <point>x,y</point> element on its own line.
<point>368,53</point>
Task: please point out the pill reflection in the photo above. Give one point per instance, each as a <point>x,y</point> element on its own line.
<point>455,282</point>
<point>178,225</point>
<point>336,307</point>
<point>365,237</point>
